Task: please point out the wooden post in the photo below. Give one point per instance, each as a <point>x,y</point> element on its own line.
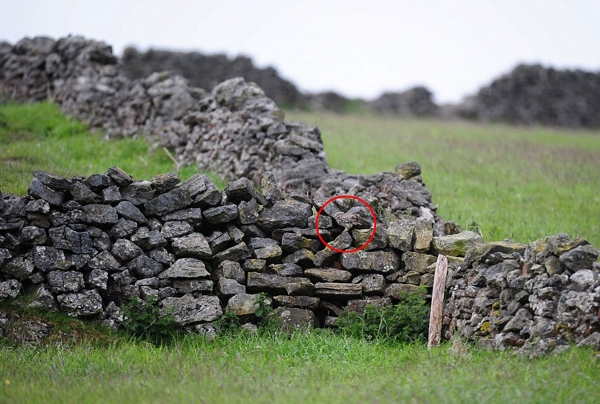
<point>437,302</point>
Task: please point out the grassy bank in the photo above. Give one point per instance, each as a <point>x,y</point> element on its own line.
<point>306,368</point>
<point>516,182</point>
<point>39,137</point>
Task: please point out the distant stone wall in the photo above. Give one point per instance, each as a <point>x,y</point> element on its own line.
<point>206,71</point>
<point>534,94</point>
<point>416,101</point>
<point>235,130</point>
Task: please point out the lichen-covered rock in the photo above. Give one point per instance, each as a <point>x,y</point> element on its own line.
<point>9,288</point>
<point>295,319</point>
<point>378,261</point>
<point>328,274</point>
<point>286,213</point>
<point>192,245</point>
<point>338,290</point>
<point>185,268</point>
<point>456,245</point>
<point>189,310</point>
<point>87,303</point>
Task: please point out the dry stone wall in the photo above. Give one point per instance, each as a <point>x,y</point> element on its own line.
<point>87,245</point>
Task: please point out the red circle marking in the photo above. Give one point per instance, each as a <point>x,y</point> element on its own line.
<point>351,197</point>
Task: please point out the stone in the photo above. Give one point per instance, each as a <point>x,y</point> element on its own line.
<point>218,241</point>
<point>238,253</point>
<point>120,177</point>
<point>378,261</point>
<point>275,284</point>
<point>9,288</point>
<point>175,199</point>
<point>19,268</point>
<point>294,241</point>
<point>195,185</point>
<point>65,281</point>
<point>581,257</point>
<point>192,245</point>
<point>286,269</point>
<point>553,265</point>
<point>357,217</point>
<point>338,290</point>
<point>423,235</point>
<point>285,213</point>
<point>188,310</point>
<point>82,194</point>
<point>44,299</point>
<point>372,284</point>
<point>148,239</point>
<point>33,235</point>
<point>270,189</point>
<point>301,302</point>
<point>398,291</point>
<point>265,248</point>
<point>53,181</point>
<point>236,234</point>
<point>164,182</point>
<point>111,195</point>
<point>221,214</point>
<point>192,216</point>
<point>242,190</point>
<point>303,258</point>
<point>248,211</point>
<point>98,182</point>
<point>38,206</point>
<point>83,304</point>
<point>456,245</point>
<point>243,305</point>
<point>295,319</point>
<point>211,196</point>
<point>129,211</point>
<point>97,278</point>
<point>494,252</point>
<point>162,255</point>
<point>328,274</point>
<point>176,228</point>
<point>520,320</point>
<point>38,190</point>
<point>583,279</point>
<point>359,305</point>
<point>327,255</point>
<point>254,265</point>
<point>229,287</point>
<point>47,258</point>
<point>418,262</point>
<point>103,261</point>
<point>98,214</point>
<point>193,285</point>
<point>144,267</point>
<point>230,270</point>
<point>125,250</point>
<point>378,242</point>
<point>123,228</point>
<point>185,268</point>
<point>592,340</point>
<point>29,333</point>
<point>408,170</point>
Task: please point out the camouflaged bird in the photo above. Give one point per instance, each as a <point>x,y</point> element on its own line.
<point>357,217</point>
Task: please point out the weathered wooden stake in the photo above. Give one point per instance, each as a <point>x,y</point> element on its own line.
<point>437,302</point>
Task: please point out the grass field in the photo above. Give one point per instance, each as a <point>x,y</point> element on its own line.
<point>515,182</point>
<point>507,179</point>
<point>306,368</point>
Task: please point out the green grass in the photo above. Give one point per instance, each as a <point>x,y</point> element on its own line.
<point>516,182</point>
<point>306,368</point>
<point>39,137</point>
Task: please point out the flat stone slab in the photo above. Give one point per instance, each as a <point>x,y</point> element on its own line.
<point>185,268</point>
<point>188,310</point>
<point>338,290</point>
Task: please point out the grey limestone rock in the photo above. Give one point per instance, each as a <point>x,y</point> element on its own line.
<point>185,268</point>
<point>9,288</point>
<point>378,261</point>
<point>87,303</point>
<point>191,245</point>
<point>295,319</point>
<point>338,290</point>
<point>189,310</point>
